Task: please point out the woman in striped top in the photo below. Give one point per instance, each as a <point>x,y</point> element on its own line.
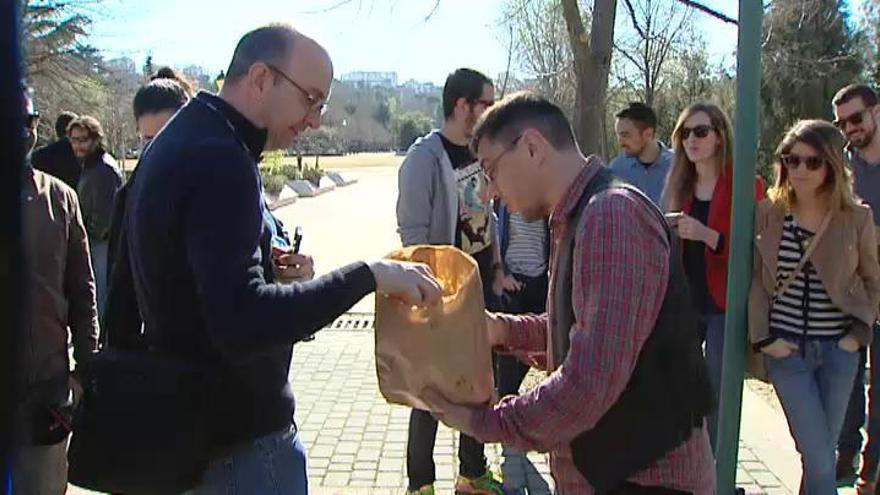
<point>815,291</point>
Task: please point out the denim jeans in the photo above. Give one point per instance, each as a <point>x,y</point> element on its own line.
<point>714,358</point>
<point>814,385</point>
<point>851,439</point>
<point>98,251</point>
<point>275,463</point>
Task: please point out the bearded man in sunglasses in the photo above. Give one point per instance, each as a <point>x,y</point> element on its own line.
<point>857,115</point>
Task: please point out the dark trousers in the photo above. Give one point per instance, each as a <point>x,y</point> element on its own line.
<point>510,371</point>
<point>420,468</point>
<point>851,439</point>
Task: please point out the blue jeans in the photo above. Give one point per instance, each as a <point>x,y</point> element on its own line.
<point>814,385</point>
<point>851,440</point>
<point>98,251</point>
<point>275,463</point>
<point>714,359</point>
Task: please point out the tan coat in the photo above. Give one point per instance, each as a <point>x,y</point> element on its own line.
<point>62,288</point>
<point>845,259</point>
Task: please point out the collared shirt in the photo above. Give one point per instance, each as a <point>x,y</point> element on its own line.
<point>61,283</point>
<point>619,278</point>
<point>866,178</point>
<point>649,178</point>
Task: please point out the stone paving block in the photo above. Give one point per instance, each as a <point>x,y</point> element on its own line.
<point>347,448</point>
<point>368,454</point>
<point>363,474</point>
<point>320,451</point>
<point>336,479</point>
<point>766,479</point>
<point>753,466</point>
<point>340,467</point>
<point>388,480</point>
<point>390,465</point>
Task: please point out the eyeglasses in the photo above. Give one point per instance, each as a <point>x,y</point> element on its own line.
<point>317,105</point>
<point>792,161</point>
<point>489,167</point>
<point>854,119</point>
<point>32,120</point>
<point>700,131</point>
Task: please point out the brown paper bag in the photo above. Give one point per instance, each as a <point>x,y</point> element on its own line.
<point>445,347</point>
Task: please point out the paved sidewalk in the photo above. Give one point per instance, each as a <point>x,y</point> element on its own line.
<point>357,442</point>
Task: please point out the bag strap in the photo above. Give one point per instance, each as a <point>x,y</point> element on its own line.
<point>805,258</point>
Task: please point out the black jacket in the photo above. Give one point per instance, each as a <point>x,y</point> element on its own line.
<point>96,189</point>
<point>57,159</point>
<point>200,255</point>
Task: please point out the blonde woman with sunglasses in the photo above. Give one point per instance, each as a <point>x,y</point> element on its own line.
<point>815,292</point>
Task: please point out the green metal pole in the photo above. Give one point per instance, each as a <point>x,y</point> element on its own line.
<point>748,86</point>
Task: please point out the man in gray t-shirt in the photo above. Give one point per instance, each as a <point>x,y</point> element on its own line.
<point>857,114</point>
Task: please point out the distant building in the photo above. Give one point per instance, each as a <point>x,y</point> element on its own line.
<point>371,79</point>
<point>420,88</point>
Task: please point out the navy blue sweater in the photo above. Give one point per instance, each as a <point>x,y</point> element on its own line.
<point>200,258</point>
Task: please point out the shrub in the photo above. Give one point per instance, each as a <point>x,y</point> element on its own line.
<point>273,184</point>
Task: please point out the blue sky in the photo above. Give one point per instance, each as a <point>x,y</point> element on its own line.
<point>372,35</point>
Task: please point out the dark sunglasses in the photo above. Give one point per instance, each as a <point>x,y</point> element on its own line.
<point>854,119</point>
<point>793,161</point>
<point>32,120</point>
<point>699,131</point>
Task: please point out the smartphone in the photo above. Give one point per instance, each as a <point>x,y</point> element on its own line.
<point>673,218</point>
<point>297,239</point>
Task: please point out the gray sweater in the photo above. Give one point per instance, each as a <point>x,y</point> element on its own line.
<point>427,202</point>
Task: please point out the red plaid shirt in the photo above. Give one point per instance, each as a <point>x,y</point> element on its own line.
<point>619,277</point>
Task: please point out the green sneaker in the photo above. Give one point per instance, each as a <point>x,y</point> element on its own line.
<point>425,490</point>
<point>484,485</point>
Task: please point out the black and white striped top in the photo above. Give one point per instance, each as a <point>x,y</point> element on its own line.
<point>804,309</point>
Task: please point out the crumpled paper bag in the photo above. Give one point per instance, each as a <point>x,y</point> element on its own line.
<point>445,347</point>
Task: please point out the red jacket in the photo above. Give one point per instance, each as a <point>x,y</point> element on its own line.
<point>720,210</point>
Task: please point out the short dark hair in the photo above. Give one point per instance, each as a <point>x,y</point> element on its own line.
<point>463,83</point>
<point>642,115</point>
<point>868,95</point>
<point>520,111</point>
<point>62,121</point>
<point>264,44</point>
<point>158,96</point>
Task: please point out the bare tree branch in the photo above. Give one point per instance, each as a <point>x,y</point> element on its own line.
<point>707,10</point>
<point>635,21</point>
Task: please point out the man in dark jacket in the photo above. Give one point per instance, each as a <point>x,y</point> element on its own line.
<point>57,159</point>
<point>97,188</point>
<point>200,256</point>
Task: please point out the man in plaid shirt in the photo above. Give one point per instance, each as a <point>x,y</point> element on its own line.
<point>619,273</point>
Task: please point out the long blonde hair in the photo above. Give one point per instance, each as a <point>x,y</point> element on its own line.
<point>828,142</point>
<point>683,176</point>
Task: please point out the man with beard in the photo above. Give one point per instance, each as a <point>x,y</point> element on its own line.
<point>97,188</point>
<point>442,202</point>
<point>857,115</point>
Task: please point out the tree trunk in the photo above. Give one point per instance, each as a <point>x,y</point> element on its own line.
<point>592,63</point>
